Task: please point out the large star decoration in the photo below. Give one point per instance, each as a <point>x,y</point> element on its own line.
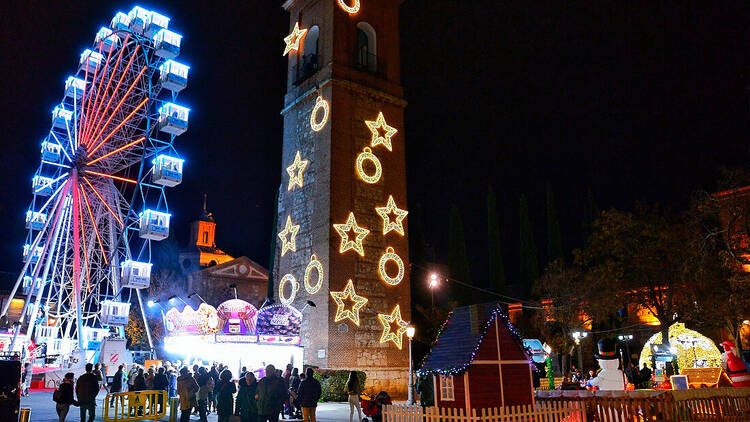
<point>377,138</point>
<point>292,40</point>
<point>393,319</point>
<point>297,172</point>
<point>359,235</point>
<point>395,224</point>
<point>342,312</point>
<point>288,236</point>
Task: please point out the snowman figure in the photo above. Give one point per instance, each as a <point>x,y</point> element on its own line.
<point>610,377</point>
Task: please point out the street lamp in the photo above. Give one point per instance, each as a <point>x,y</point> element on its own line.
<point>433,285</point>
<point>626,338</point>
<point>171,298</point>
<point>577,337</point>
<point>410,330</point>
<point>196,295</point>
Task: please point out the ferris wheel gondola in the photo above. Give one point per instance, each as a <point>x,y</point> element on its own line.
<point>99,193</point>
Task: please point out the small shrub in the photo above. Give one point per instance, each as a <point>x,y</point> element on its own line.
<point>333,383</point>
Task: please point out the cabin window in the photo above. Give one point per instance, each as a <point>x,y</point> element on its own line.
<point>446,388</point>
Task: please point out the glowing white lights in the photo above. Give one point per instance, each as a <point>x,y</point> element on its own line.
<point>375,127</point>
<point>313,265</point>
<point>395,224</point>
<point>354,8</point>
<point>296,172</point>
<point>389,332</point>
<point>292,40</point>
<point>390,255</point>
<point>367,155</point>
<point>288,279</point>
<point>288,236</point>
<point>348,294</point>
<point>320,104</point>
<point>359,235</point>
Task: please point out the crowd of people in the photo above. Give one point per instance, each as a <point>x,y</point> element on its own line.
<point>270,395</point>
<point>575,379</point>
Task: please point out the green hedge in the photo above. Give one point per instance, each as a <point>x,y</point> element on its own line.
<point>333,383</point>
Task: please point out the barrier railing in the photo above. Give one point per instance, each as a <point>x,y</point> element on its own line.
<point>540,412</point>
<point>135,406</point>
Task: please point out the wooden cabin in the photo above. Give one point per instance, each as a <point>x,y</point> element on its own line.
<point>478,361</point>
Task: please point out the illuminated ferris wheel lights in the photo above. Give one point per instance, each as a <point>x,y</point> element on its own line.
<point>74,87</point>
<point>155,23</point>
<point>90,60</point>
<point>135,275</point>
<point>61,117</point>
<point>124,147</point>
<point>107,39</point>
<point>35,220</point>
<point>51,152</point>
<point>138,17</point>
<point>154,225</point>
<point>167,171</point>
<point>99,195</point>
<point>173,118</point>
<point>173,75</point>
<point>167,43</point>
<point>120,22</point>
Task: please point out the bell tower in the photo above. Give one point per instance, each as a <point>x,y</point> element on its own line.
<point>342,211</point>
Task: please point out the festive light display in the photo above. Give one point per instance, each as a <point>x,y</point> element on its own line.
<point>359,235</point>
<point>693,349</point>
<point>367,155</point>
<point>375,127</point>
<point>288,236</point>
<point>292,40</point>
<point>457,370</point>
<point>397,223</point>
<point>354,8</point>
<point>320,104</point>
<point>313,265</point>
<point>341,310</point>
<point>288,278</point>
<point>390,255</point>
<point>394,318</point>
<point>296,172</point>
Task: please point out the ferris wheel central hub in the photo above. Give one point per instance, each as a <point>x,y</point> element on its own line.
<point>80,158</point>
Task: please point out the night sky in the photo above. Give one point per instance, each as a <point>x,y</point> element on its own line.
<point>638,101</point>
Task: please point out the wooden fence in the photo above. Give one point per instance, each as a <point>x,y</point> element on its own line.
<point>724,404</point>
<point>541,412</point>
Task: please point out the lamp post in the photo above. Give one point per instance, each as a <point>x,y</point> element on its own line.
<point>410,330</point>
<point>433,285</point>
<point>578,336</point>
<point>626,338</point>
<point>196,295</point>
<point>171,298</point>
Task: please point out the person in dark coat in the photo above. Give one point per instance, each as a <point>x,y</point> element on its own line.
<point>295,409</point>
<point>161,382</point>
<point>64,397</point>
<point>186,389</point>
<point>247,406</point>
<point>87,388</point>
<point>225,396</point>
<point>272,393</point>
<point>645,376</point>
<point>140,381</point>
<point>116,385</point>
<point>213,373</point>
<point>308,394</point>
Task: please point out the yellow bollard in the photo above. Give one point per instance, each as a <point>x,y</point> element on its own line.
<point>24,415</point>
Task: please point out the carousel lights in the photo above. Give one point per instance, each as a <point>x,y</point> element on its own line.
<point>313,265</point>
<point>288,278</point>
<point>292,40</point>
<point>354,8</point>
<point>296,172</point>
<point>394,318</point>
<point>341,310</point>
<point>390,255</point>
<point>320,104</point>
<point>397,223</point>
<point>359,235</point>
<point>288,236</point>
<point>377,139</point>
<point>367,155</point>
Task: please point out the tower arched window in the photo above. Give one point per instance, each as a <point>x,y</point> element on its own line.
<point>308,60</point>
<point>367,54</point>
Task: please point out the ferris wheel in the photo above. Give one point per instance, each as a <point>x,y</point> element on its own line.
<point>99,195</point>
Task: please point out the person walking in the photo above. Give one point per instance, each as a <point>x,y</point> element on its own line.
<point>225,396</point>
<point>173,382</point>
<point>186,389</point>
<point>205,385</point>
<point>149,376</point>
<point>99,374</point>
<point>131,376</point>
<point>161,383</point>
<point>63,396</point>
<point>87,388</point>
<point>214,374</point>
<point>308,394</point>
<point>247,406</point>
<point>26,379</point>
<point>295,410</point>
<point>271,396</point>
<point>354,390</point>
<point>139,384</point>
<point>116,385</point>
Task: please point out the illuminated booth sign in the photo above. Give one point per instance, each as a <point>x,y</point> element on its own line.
<point>190,321</point>
<point>279,324</point>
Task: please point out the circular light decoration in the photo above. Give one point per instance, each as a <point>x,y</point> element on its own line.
<point>288,278</point>
<point>313,265</point>
<point>693,349</point>
<point>390,255</point>
<point>320,104</point>
<point>367,155</point>
<point>354,8</point>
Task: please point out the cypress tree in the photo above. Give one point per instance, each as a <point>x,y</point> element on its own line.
<point>554,240</point>
<point>496,265</point>
<point>529,259</point>
<point>459,260</point>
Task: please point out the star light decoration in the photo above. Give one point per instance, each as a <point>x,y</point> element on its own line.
<point>394,318</point>
<point>389,224</point>
<point>375,127</point>
<point>296,172</point>
<point>348,294</point>
<point>290,230</point>
<point>359,236</point>
<point>292,40</point>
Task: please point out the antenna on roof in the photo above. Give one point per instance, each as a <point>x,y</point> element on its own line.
<point>204,202</point>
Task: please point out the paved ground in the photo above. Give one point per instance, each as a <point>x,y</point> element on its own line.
<point>43,410</point>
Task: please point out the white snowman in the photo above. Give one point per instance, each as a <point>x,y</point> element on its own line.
<point>610,377</point>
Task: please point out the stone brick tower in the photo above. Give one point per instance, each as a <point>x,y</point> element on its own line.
<point>342,159</point>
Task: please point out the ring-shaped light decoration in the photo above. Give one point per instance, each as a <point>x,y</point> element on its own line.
<point>318,125</point>
<point>288,278</point>
<point>390,255</point>
<point>367,155</point>
<point>354,8</point>
<point>313,265</point>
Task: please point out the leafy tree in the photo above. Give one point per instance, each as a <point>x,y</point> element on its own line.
<point>458,260</point>
<point>529,258</point>
<point>554,239</point>
<point>496,265</point>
